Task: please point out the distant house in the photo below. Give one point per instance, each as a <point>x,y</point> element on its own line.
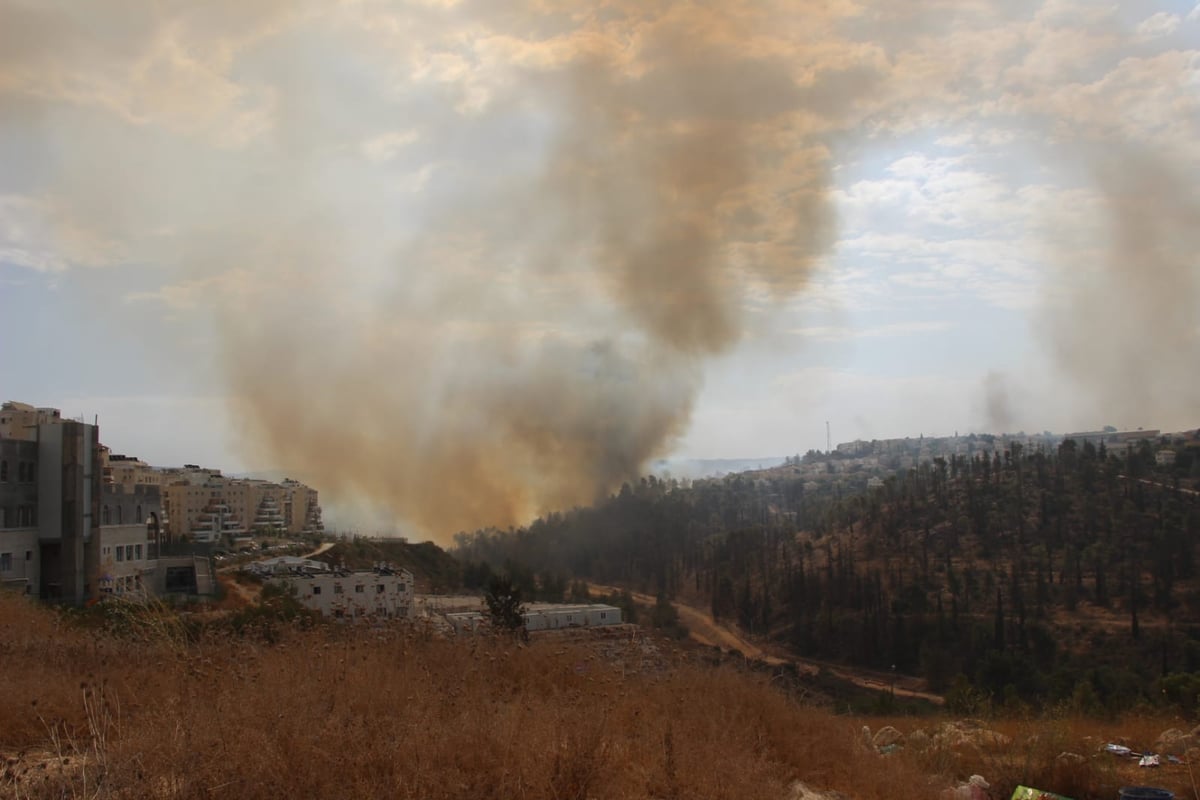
<point>875,482</point>
<point>551,616</point>
<point>544,617</point>
<point>381,592</point>
<point>1165,458</point>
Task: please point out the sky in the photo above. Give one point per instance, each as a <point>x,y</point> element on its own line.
<point>457,263</point>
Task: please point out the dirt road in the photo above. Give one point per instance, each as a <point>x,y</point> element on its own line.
<point>705,630</point>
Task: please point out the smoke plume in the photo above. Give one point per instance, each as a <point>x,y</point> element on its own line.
<point>546,329</point>
<point>1124,314</point>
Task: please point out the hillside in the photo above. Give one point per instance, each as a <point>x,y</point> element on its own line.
<point>433,569</point>
<point>1015,578</point>
<point>121,702</point>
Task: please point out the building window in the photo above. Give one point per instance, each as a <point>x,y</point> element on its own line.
<point>316,590</point>
<point>400,587</point>
<point>5,562</point>
<point>29,555</point>
<point>3,472</point>
<point>137,549</point>
<point>139,515</point>
<point>20,472</point>
<point>358,588</point>
<point>120,554</point>
<point>104,515</point>
<point>119,520</point>
<point>129,552</point>
<point>379,589</point>
<point>337,588</point>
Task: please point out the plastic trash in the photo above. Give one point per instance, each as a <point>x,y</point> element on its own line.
<point>1145,793</point>
<point>1149,760</point>
<point>974,789</point>
<point>1117,749</point>
<point>1026,793</point>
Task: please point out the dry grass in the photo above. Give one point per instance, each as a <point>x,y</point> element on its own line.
<point>1035,755</point>
<point>153,710</point>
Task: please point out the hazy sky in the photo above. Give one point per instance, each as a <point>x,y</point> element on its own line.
<point>393,246</point>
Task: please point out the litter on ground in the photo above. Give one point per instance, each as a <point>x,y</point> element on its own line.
<point>1026,793</point>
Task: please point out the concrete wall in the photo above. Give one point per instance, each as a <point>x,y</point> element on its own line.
<point>68,506</point>
<point>124,560</point>
<point>541,618</point>
<point>20,560</point>
<point>355,594</point>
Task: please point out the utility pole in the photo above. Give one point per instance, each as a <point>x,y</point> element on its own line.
<point>828,439</point>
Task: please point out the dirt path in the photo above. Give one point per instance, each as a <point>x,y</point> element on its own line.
<point>320,549</point>
<point>701,627</point>
<point>705,630</point>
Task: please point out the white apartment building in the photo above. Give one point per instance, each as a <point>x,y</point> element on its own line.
<point>342,594</point>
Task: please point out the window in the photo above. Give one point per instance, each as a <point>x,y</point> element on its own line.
<point>120,554</point>
<point>316,590</point>
<point>337,588</point>
<point>5,562</point>
<point>129,552</point>
<point>379,589</point>
<point>139,515</point>
<point>3,472</point>
<point>29,555</point>
<point>603,615</point>
<point>20,472</point>
<point>358,588</point>
<point>119,520</point>
<point>399,587</point>
<point>137,549</point>
<point>104,515</point>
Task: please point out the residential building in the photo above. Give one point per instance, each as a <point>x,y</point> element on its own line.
<point>543,617</point>
<point>49,494</point>
<point>205,506</point>
<point>381,592</point>
<point>1165,458</point>
<point>77,522</point>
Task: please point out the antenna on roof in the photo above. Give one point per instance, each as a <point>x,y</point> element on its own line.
<point>828,438</point>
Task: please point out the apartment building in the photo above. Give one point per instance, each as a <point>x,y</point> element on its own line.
<point>206,506</point>
<point>77,523</point>
<point>381,592</point>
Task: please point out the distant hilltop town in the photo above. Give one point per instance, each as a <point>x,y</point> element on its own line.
<point>863,464</point>
<point>78,521</point>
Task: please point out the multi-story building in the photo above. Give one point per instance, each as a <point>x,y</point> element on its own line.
<point>381,592</point>
<point>77,523</point>
<point>49,496</point>
<point>204,505</point>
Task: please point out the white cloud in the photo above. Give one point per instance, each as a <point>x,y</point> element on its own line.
<point>1194,15</point>
<point>386,146</point>
<point>837,333</point>
<point>1160,24</point>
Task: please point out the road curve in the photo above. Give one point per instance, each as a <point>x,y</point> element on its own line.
<point>705,630</point>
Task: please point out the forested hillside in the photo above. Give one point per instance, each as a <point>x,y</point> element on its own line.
<point>1066,574</point>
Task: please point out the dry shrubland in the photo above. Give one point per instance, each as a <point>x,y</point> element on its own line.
<point>145,705</point>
